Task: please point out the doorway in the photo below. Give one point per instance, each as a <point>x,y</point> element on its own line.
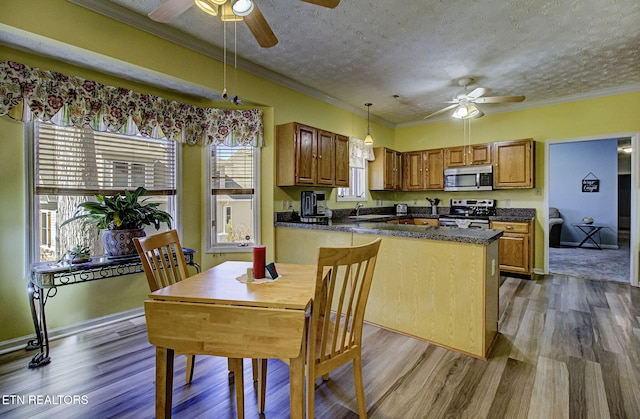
<point>585,179</point>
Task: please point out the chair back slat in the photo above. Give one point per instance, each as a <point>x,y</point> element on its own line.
<point>162,259</point>
<point>343,282</point>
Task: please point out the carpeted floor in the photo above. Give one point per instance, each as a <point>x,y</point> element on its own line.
<point>605,264</point>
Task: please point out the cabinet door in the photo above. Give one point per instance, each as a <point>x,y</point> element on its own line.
<point>413,172</point>
<point>434,170</point>
<point>479,154</point>
<point>305,155</point>
<point>397,173</point>
<point>454,157</point>
<point>513,164</point>
<point>342,160</point>
<point>514,252</point>
<point>325,158</point>
<point>392,162</point>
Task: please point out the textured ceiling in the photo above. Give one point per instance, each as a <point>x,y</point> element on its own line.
<point>369,51</point>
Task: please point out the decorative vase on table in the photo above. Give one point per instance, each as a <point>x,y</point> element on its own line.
<point>119,243</point>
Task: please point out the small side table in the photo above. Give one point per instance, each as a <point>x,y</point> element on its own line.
<point>590,231</point>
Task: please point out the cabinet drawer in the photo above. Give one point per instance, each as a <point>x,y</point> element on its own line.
<point>434,222</point>
<point>511,227</point>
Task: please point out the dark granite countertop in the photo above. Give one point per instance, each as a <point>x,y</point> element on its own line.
<point>461,235</point>
<point>373,221</point>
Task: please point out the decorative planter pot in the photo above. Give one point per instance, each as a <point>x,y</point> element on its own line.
<point>119,243</point>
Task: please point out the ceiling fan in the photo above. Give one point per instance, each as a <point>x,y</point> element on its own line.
<point>465,103</point>
<point>230,10</point>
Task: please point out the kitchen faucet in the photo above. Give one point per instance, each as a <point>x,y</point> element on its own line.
<point>358,206</point>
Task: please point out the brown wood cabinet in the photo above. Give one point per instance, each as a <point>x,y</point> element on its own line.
<point>515,246</point>
<point>471,155</point>
<point>513,164</point>
<point>423,170</point>
<point>308,156</point>
<point>434,169</point>
<point>341,160</point>
<point>385,172</point>
<point>434,222</point>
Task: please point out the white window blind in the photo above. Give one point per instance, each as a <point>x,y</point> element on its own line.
<point>232,171</point>
<point>72,161</point>
<point>234,197</point>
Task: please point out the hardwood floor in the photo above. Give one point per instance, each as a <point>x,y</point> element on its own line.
<point>568,348</point>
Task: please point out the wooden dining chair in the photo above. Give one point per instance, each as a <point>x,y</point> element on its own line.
<point>164,264</point>
<point>343,281</point>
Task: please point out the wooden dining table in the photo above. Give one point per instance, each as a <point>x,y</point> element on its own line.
<point>212,313</point>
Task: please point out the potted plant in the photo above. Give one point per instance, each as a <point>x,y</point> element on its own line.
<point>121,219</point>
<point>78,254</point>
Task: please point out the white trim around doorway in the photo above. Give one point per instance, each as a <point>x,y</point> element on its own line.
<point>635,197</point>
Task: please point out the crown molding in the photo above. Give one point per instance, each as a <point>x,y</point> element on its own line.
<point>535,104</point>
<point>124,15</point>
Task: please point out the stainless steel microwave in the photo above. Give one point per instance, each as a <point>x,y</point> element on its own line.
<point>472,178</point>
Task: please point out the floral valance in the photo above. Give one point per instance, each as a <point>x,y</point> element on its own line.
<point>31,93</point>
<point>359,152</point>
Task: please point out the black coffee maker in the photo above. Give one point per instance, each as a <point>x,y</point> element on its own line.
<point>313,206</point>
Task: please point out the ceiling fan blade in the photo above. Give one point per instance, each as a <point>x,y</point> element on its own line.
<point>260,28</point>
<point>441,110</point>
<point>324,3</point>
<point>170,10</point>
<point>476,93</point>
<point>499,99</point>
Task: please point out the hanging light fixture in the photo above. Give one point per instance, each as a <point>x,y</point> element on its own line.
<point>242,7</point>
<point>209,6</point>
<point>368,139</point>
<point>466,111</point>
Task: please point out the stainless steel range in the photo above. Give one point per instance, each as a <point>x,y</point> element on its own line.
<point>469,213</point>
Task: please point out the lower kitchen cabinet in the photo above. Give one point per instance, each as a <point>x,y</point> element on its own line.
<point>515,246</point>
<point>443,292</point>
<point>434,222</point>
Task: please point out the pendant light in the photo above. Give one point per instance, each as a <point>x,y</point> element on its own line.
<point>368,139</point>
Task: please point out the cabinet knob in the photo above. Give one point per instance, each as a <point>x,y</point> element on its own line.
<point>509,227</point>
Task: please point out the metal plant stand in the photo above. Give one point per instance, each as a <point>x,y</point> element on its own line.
<point>46,277</point>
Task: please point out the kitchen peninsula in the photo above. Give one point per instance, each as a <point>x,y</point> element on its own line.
<point>439,284</point>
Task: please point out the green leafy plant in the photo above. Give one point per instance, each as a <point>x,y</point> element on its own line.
<point>120,212</point>
<point>79,252</point>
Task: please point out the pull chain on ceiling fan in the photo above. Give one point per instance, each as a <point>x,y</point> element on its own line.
<point>465,103</point>
<point>230,10</point>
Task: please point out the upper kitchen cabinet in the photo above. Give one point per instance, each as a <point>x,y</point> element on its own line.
<point>308,156</point>
<point>385,172</point>
<point>434,174</point>
<point>513,165</point>
<point>423,170</point>
<point>342,160</point>
<point>471,155</point>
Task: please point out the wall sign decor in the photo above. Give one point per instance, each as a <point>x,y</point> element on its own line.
<point>590,183</point>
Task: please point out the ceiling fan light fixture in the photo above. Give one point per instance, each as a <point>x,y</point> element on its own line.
<point>242,7</point>
<point>466,111</point>
<point>368,139</point>
<point>209,6</point>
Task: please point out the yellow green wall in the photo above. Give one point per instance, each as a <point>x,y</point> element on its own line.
<point>67,23</point>
<point>586,118</point>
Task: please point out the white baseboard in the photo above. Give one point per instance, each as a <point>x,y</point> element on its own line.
<point>21,342</point>
<point>589,245</point>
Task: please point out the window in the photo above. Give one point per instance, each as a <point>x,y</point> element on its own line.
<point>234,208</point>
<point>70,165</point>
<point>357,190</point>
